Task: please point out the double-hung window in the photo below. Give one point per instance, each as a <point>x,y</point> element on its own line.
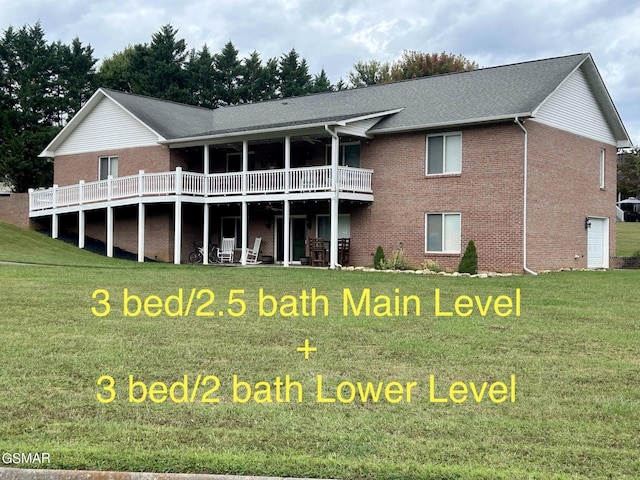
<point>444,153</point>
<point>442,232</point>
<point>107,166</point>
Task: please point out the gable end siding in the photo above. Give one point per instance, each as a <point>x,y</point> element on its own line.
<point>107,127</point>
<point>574,108</point>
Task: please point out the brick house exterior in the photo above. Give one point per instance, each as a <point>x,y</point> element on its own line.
<point>519,158</point>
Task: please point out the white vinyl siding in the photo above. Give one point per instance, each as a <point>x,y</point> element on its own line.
<point>574,108</point>
<point>107,127</point>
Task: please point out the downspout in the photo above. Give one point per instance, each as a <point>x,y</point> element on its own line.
<point>335,201</point>
<point>524,197</point>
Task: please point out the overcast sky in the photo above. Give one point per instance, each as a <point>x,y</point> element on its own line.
<point>335,34</point>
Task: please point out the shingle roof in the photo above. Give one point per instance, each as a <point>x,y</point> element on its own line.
<point>477,96</point>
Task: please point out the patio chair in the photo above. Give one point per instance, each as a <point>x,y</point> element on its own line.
<point>317,252</point>
<point>226,250</point>
<point>252,253</point>
<point>343,251</point>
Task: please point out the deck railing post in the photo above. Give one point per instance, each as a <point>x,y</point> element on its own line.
<point>81,192</point>
<point>140,183</point>
<point>31,200</point>
<point>109,187</point>
<point>178,185</point>
<point>54,196</point>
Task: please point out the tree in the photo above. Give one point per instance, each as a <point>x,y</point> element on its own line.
<point>258,82</point>
<point>228,74</point>
<point>201,81</point>
<point>412,64</point>
<point>158,70</point>
<point>368,73</point>
<point>629,174</point>
<point>117,72</point>
<point>415,64</point>
<point>42,86</point>
<point>293,75</point>
<point>321,83</point>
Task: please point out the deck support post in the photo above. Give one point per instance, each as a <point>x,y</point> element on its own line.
<point>286,224</point>
<point>81,228</point>
<point>141,219</point>
<point>205,233</point>
<point>109,231</point>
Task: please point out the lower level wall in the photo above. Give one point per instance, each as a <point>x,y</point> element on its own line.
<point>14,209</point>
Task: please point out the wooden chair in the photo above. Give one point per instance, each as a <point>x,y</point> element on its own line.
<point>227,250</point>
<point>317,252</point>
<point>252,253</point>
<point>343,251</point>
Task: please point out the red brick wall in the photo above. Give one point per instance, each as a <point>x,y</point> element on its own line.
<point>488,194</point>
<point>564,175</point>
<point>70,169</point>
<point>14,209</point>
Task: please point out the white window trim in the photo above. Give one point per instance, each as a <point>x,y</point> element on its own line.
<point>109,159</point>
<point>426,234</point>
<point>602,168</point>
<point>444,154</point>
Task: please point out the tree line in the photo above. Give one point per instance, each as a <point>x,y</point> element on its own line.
<point>43,84</point>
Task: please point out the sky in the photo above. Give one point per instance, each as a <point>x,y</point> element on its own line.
<point>335,34</point>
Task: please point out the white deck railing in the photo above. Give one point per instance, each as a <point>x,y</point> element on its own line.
<point>178,182</point>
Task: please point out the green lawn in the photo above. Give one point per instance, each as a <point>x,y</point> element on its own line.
<point>573,350</point>
<point>627,238</point>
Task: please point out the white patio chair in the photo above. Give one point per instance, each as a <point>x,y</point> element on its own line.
<point>226,250</point>
<point>252,253</point>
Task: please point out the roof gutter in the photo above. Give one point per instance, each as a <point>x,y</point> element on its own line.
<point>524,196</point>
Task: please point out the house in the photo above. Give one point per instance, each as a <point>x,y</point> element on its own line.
<point>520,158</point>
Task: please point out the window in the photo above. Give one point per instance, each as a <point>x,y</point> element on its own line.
<point>444,153</point>
<point>442,232</point>
<point>107,166</point>
<point>349,155</point>
<point>602,157</point>
<point>231,227</point>
<point>323,226</point>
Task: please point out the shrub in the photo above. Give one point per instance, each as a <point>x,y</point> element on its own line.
<point>378,258</point>
<point>636,254</point>
<point>396,262</point>
<point>469,261</point>
<point>431,265</point>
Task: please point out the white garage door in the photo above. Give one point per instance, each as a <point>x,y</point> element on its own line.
<point>598,243</point>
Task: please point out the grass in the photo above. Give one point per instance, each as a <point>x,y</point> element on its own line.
<point>574,351</point>
<point>627,238</point>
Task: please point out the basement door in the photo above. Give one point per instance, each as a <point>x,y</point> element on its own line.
<point>598,243</point>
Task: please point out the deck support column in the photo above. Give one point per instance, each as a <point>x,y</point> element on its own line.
<point>177,233</point>
<point>109,231</point>
<point>335,157</point>
<point>245,230</point>
<point>54,225</point>
<point>205,233</point>
<point>286,224</point>
<point>81,228</point>
<point>141,219</point>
